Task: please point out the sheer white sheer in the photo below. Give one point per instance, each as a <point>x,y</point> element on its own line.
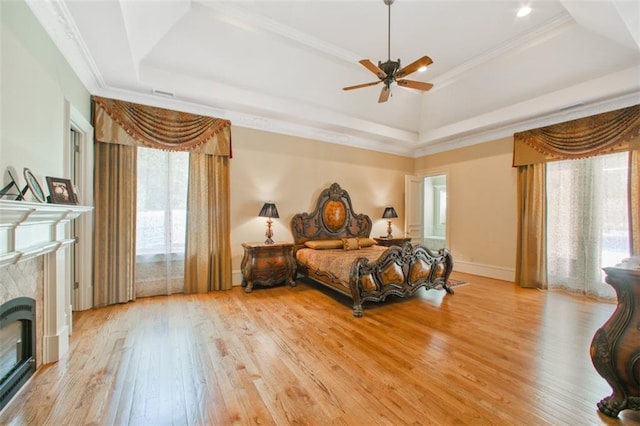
<point>161,221</point>
<point>587,222</point>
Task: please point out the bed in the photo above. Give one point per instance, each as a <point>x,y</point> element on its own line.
<point>332,247</point>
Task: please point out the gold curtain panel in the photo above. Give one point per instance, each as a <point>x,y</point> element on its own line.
<point>127,123</point>
<point>609,132</point>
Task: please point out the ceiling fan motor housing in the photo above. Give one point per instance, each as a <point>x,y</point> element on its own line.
<point>390,68</point>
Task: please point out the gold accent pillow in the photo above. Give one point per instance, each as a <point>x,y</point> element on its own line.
<point>366,242</point>
<point>323,244</point>
<point>350,244</point>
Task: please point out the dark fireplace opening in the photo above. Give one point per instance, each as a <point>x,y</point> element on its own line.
<point>17,346</point>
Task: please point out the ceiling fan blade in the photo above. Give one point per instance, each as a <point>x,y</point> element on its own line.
<point>373,68</point>
<point>384,95</point>
<point>425,61</point>
<point>415,84</point>
<point>358,86</point>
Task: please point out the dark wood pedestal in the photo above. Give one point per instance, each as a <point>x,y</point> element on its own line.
<point>615,348</point>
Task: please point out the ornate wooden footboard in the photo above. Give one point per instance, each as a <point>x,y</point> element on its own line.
<point>399,271</point>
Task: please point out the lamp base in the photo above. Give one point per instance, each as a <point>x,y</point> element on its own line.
<point>269,233</point>
<point>389,236</point>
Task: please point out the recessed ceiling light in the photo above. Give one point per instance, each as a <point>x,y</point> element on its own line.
<point>524,11</point>
<point>422,69</point>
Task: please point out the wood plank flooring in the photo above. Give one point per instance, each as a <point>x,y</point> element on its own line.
<point>492,353</point>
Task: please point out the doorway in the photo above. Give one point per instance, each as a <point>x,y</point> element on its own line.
<point>426,210</point>
<point>435,211</point>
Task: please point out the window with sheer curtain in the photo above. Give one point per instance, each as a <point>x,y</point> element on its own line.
<point>161,221</point>
<point>587,222</point>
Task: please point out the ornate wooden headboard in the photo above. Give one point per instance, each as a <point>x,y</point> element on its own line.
<point>332,218</point>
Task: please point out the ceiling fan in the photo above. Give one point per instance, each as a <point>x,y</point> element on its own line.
<point>390,71</point>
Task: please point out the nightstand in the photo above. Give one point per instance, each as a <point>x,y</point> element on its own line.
<point>388,242</point>
<point>267,264</point>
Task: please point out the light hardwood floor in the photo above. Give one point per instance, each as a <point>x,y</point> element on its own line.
<point>492,353</point>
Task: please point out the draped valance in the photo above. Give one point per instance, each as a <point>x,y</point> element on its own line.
<point>127,123</point>
<point>609,132</point>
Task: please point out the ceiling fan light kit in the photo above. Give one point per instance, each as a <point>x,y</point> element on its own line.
<point>390,71</point>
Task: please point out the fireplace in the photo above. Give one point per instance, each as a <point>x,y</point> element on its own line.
<point>35,288</point>
<point>17,346</point>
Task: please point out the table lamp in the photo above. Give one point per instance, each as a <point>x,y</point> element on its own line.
<point>269,210</point>
<point>389,213</point>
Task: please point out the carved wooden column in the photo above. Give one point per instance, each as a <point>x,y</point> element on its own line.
<point>615,348</point>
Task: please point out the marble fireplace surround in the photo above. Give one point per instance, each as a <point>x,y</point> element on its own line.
<point>34,259</point>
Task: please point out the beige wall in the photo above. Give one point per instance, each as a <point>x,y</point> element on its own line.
<point>481,198</point>
<point>35,81</point>
<point>292,172</point>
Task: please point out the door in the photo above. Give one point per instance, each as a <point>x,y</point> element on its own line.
<point>414,205</point>
<point>74,161</point>
<point>79,166</point>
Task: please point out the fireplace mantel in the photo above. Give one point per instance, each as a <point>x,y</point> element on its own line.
<point>28,230</point>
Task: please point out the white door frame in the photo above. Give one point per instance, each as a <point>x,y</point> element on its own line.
<point>414,208</point>
<point>81,298</point>
<point>412,228</point>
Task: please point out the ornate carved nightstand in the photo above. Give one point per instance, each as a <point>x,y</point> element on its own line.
<point>388,242</point>
<point>267,264</point>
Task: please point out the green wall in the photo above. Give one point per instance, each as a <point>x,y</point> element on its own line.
<point>35,81</point>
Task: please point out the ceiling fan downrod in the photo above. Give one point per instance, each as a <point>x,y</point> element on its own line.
<point>388,3</point>
<point>389,67</point>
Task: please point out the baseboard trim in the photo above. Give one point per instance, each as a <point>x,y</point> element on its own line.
<point>55,346</point>
<point>491,271</point>
<point>236,278</point>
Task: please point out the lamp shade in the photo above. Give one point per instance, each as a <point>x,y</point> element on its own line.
<point>269,210</point>
<point>389,212</point>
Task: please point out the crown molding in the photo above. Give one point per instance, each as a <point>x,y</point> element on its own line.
<point>507,130</point>
<point>553,28</point>
<point>272,125</point>
<point>310,122</point>
<point>55,18</point>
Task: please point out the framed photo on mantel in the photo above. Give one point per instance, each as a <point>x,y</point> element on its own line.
<point>61,191</point>
<point>33,185</point>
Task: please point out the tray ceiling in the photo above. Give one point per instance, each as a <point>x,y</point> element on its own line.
<point>280,65</point>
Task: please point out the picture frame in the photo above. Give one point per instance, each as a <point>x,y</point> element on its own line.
<point>61,190</point>
<point>8,190</point>
<point>33,185</point>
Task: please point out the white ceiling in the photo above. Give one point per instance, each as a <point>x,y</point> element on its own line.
<point>280,65</point>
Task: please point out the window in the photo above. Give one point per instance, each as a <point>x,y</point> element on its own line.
<point>587,222</point>
<point>161,221</point>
